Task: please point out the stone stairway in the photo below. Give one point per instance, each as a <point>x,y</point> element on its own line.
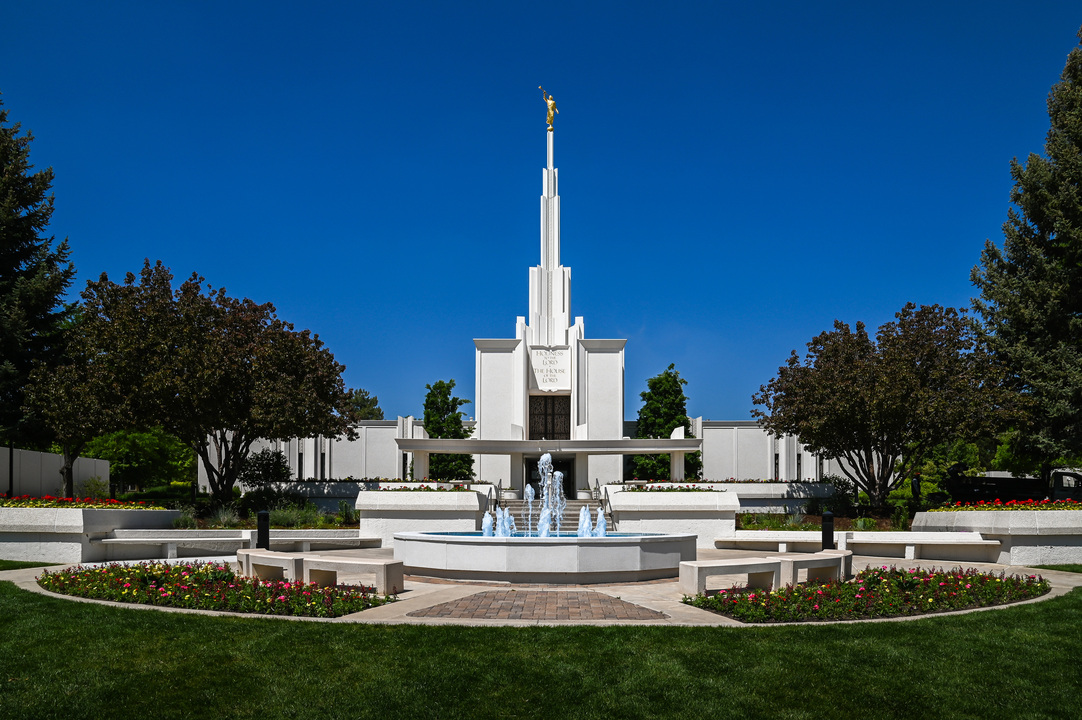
<point>570,520</point>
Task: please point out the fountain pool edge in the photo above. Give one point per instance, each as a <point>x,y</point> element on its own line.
<point>563,560</point>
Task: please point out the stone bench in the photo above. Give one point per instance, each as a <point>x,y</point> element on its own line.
<point>762,573</point>
<point>385,574</point>
<point>821,566</point>
<point>388,574</point>
<point>776,540</point>
<point>907,545</point>
<point>915,545</point>
<point>270,565</point>
<point>229,541</point>
<point>224,540</point>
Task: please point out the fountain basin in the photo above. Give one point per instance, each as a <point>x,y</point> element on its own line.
<point>618,557</point>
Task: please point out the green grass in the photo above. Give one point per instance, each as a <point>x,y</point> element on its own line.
<point>61,659</point>
<point>1064,568</point>
<point>19,565</point>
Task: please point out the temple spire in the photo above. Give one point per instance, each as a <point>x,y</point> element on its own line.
<point>550,282</point>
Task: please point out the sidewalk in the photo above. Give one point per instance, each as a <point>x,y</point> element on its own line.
<point>430,601</point>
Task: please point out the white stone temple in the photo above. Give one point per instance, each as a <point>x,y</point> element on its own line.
<point>550,389</point>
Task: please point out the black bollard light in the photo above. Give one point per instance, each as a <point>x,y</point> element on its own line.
<point>262,530</point>
<point>828,530</point>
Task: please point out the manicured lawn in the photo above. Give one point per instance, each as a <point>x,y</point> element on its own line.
<point>62,659</point>
<point>1074,567</point>
<point>19,564</point>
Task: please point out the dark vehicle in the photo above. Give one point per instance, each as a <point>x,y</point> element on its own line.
<point>1066,484</point>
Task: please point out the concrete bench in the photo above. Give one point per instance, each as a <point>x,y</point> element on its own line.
<point>821,566</point>
<point>221,540</point>
<point>385,574</point>
<point>917,545</point>
<point>762,573</point>
<point>388,574</point>
<point>270,565</point>
<point>228,541</point>
<point>776,540</point>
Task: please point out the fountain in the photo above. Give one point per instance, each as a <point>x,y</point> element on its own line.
<point>542,552</point>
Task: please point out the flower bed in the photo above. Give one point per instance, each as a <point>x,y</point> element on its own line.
<point>1045,504</point>
<point>208,586</point>
<point>875,593</point>
<point>671,488</point>
<point>48,501</point>
<point>426,488</point>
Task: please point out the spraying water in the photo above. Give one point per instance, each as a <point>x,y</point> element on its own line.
<point>601,527</point>
<point>549,512</point>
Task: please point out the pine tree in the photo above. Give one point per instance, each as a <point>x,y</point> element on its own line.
<point>444,420</point>
<point>34,276</point>
<point>663,410</point>
<point>1031,288</point>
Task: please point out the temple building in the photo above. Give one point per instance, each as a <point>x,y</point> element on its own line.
<point>550,389</point>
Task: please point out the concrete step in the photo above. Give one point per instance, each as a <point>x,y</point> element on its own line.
<point>570,520</point>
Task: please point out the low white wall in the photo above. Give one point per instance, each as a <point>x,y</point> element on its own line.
<point>707,515</point>
<point>385,512</point>
<point>63,535</point>
<point>38,473</point>
<point>1027,537</point>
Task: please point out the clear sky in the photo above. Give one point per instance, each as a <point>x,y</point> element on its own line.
<point>734,176</point>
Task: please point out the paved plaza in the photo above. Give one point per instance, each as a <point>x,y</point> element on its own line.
<point>432,601</point>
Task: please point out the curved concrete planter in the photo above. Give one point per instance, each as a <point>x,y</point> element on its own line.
<point>1027,537</point>
<point>386,512</point>
<point>63,535</point>
<point>548,560</point>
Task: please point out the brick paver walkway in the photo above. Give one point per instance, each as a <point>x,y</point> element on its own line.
<point>539,605</point>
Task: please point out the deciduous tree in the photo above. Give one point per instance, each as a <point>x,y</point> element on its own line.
<point>1031,288</point>
<point>216,372</point>
<point>443,419</point>
<point>881,405</point>
<point>664,408</point>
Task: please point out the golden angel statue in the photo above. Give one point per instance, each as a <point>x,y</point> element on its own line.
<point>551,102</point>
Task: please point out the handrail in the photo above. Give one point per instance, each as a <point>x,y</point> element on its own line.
<point>604,501</point>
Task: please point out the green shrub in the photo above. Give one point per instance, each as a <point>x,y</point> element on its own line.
<point>292,516</point>
<point>95,487</point>
<point>186,521</point>
<point>224,516</point>
<point>864,523</point>
<point>347,513</point>
<point>265,468</point>
<point>268,498</point>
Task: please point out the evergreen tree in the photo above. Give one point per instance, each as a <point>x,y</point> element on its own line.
<point>366,406</point>
<point>664,408</point>
<point>1031,288</point>
<point>33,278</point>
<point>444,420</point>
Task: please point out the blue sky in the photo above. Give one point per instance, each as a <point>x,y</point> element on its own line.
<point>734,177</point>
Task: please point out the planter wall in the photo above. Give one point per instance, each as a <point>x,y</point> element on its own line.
<point>1027,537</point>
<point>327,495</point>
<point>766,497</point>
<point>383,513</point>
<point>63,535</point>
<point>707,515</point>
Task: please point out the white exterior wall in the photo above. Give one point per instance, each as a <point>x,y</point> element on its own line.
<point>744,451</point>
<point>38,473</point>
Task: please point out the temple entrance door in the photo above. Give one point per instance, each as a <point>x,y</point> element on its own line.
<point>550,417</point>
